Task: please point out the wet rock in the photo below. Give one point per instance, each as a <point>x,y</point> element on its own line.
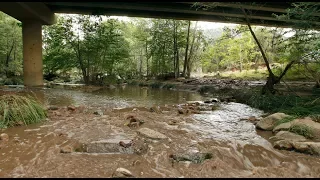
<point>98,112</point>
<point>182,111</point>
<point>125,145</point>
<point>312,148</point>
<point>110,146</point>
<point>269,122</point>
<point>53,108</point>
<point>214,100</point>
<point>207,101</point>
<point>134,121</point>
<point>282,127</point>
<point>173,122</point>
<point>71,108</point>
<point>252,118</point>
<point>155,109</point>
<point>314,126</point>
<point>122,173</point>
<point>192,157</point>
<point>286,135</point>
<point>19,123</point>
<point>56,113</point>
<point>283,144</point>
<point>149,133</point>
<point>136,163</point>
<point>66,149</point>
<point>4,137</point>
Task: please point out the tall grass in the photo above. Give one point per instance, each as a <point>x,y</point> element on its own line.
<point>299,106</point>
<point>15,109</point>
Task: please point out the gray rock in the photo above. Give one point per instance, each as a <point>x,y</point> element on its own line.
<point>283,144</point>
<point>66,149</point>
<point>191,157</point>
<point>268,122</point>
<point>4,137</point>
<point>98,112</point>
<point>110,146</point>
<point>149,133</point>
<point>286,135</point>
<point>122,173</point>
<point>312,148</point>
<point>53,108</point>
<point>282,127</point>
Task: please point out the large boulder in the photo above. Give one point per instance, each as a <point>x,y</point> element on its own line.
<point>283,144</point>
<point>282,127</point>
<point>269,122</point>
<point>314,126</point>
<point>285,135</point>
<point>312,148</point>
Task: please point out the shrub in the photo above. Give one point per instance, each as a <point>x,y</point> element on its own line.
<point>15,109</point>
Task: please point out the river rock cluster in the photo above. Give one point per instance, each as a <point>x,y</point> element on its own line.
<point>305,139</point>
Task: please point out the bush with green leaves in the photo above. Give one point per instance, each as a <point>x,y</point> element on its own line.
<point>15,109</point>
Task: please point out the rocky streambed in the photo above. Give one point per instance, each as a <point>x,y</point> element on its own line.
<point>193,139</point>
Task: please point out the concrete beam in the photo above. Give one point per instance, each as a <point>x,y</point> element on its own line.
<point>222,12</point>
<point>26,11</point>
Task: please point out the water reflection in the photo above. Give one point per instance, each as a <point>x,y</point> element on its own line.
<point>123,96</point>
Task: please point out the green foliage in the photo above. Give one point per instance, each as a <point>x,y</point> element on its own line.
<point>100,48</point>
<point>10,46</point>
<point>315,118</point>
<point>302,130</point>
<point>289,104</point>
<point>15,108</point>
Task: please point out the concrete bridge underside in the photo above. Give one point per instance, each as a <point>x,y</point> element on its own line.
<point>35,14</point>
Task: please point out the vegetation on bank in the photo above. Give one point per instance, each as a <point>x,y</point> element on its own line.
<point>20,110</point>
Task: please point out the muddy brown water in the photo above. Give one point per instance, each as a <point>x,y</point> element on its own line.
<point>238,149</point>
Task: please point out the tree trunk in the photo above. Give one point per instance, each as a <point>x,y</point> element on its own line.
<point>8,60</point>
<point>188,69</point>
<point>147,59</point>
<point>187,48</point>
<point>272,79</point>
<point>140,69</point>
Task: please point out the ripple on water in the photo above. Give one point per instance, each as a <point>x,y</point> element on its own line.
<point>225,124</point>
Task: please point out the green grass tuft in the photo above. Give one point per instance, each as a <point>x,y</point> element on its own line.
<point>286,119</point>
<point>302,130</point>
<point>15,109</point>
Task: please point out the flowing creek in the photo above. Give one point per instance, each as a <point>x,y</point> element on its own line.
<point>239,150</point>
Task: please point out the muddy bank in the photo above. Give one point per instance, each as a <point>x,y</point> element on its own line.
<point>35,151</point>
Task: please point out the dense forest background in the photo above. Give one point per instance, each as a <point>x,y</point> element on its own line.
<point>96,50</point>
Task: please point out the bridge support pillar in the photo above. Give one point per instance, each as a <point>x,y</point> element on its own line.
<point>32,53</point>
